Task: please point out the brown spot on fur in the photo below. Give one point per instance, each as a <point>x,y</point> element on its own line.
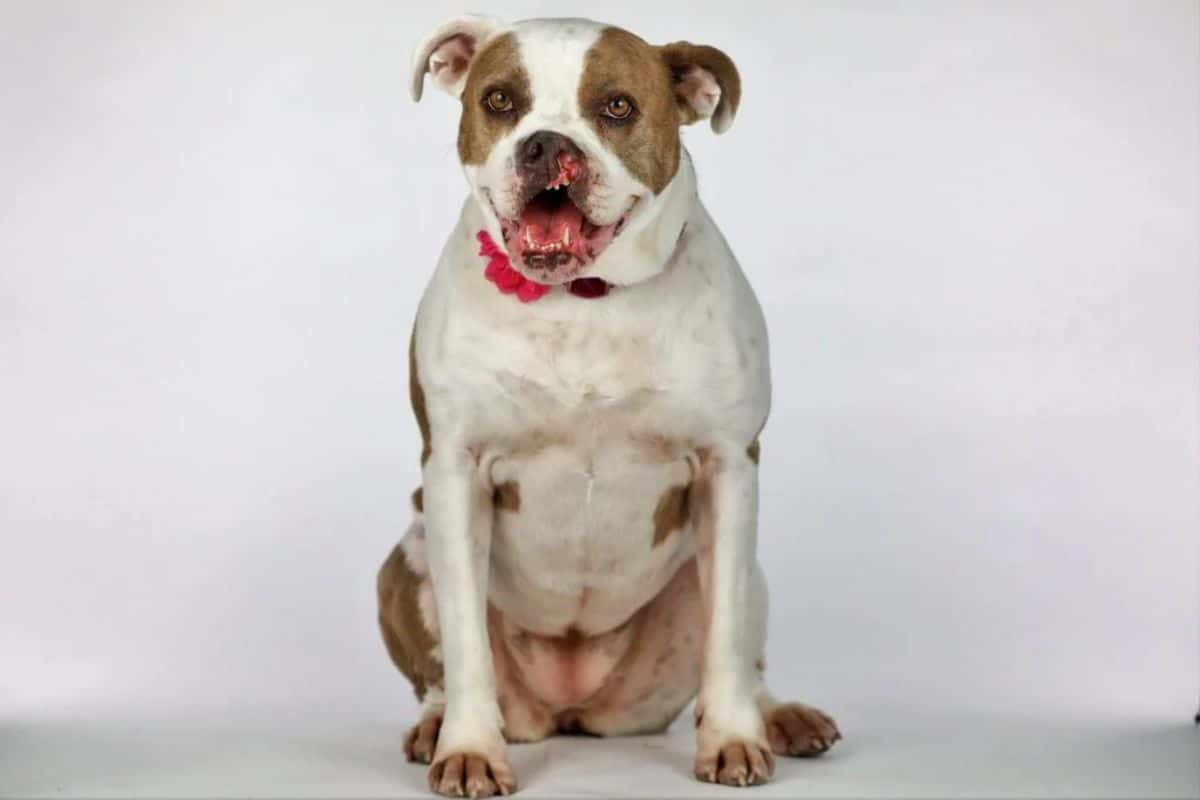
<point>416,396</point>
<point>532,442</point>
<point>408,641</point>
<point>418,500</point>
<point>754,449</point>
<point>656,448</point>
<point>508,496</point>
<point>497,67</point>
<point>620,63</point>
<point>671,513</point>
<point>679,56</point>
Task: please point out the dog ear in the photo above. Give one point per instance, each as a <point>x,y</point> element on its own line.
<point>707,84</point>
<point>447,51</point>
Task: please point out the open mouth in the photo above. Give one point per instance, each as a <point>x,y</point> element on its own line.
<point>552,236</point>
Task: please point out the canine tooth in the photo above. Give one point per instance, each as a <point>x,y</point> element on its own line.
<point>567,237</point>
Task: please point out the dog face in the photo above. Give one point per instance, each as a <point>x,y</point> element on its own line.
<point>569,133</point>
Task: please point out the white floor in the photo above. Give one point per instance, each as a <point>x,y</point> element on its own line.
<point>978,757</point>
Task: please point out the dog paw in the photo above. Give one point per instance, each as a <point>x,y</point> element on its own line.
<point>737,763</point>
<point>421,742</point>
<point>799,730</point>
<point>471,775</point>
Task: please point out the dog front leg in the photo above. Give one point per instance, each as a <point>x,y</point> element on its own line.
<point>732,746</point>
<point>470,759</point>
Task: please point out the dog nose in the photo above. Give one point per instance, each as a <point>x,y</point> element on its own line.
<point>542,149</point>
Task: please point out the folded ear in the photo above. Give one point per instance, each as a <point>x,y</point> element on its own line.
<point>707,85</point>
<point>447,51</point>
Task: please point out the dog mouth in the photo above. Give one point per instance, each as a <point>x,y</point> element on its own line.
<point>552,236</point>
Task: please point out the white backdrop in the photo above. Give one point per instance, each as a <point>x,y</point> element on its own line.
<point>972,226</point>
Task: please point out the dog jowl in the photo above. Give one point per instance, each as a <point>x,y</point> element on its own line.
<point>589,374</point>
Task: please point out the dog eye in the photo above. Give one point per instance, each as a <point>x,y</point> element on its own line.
<point>619,107</point>
<point>499,101</point>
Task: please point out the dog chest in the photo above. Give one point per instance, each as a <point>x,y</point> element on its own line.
<point>590,523</point>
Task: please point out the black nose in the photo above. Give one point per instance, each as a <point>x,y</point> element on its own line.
<point>540,151</point>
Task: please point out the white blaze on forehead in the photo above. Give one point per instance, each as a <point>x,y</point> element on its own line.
<point>554,52</point>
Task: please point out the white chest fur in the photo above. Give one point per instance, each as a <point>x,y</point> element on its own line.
<point>593,410</point>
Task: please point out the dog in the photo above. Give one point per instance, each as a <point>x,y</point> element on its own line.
<point>588,370</point>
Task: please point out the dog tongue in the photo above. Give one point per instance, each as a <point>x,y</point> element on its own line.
<point>541,224</point>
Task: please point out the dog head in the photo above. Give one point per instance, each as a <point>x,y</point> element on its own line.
<point>569,136</point>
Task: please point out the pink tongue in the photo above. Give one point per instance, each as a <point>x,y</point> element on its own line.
<point>545,226</point>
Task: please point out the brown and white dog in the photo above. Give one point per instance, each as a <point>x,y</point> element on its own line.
<point>583,553</point>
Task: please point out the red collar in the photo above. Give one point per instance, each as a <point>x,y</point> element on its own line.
<point>500,272</point>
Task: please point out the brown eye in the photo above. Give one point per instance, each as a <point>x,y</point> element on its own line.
<point>620,107</point>
<point>499,101</point>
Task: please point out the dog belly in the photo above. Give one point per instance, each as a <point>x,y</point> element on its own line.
<point>562,672</point>
<point>633,679</point>
<point>583,540</point>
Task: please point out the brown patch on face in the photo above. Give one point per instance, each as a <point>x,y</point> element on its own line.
<point>408,641</point>
<point>671,513</point>
<point>647,142</point>
<point>508,496</point>
<point>496,68</point>
<point>416,396</point>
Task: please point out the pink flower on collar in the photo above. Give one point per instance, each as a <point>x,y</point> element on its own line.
<point>500,272</point>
